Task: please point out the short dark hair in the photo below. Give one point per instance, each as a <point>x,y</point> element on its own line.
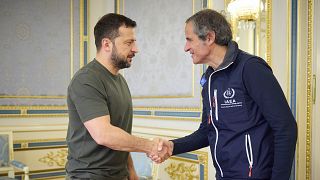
<point>108,27</point>
<point>210,20</point>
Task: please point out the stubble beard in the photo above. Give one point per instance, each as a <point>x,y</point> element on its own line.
<point>118,60</point>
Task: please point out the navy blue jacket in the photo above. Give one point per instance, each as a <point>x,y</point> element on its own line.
<point>246,120</point>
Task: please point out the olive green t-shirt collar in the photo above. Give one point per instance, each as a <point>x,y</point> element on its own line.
<point>104,69</point>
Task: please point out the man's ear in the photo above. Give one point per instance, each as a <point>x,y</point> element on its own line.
<point>211,37</point>
<point>106,44</point>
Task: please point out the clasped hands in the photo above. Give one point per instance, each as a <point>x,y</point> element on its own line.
<point>161,150</point>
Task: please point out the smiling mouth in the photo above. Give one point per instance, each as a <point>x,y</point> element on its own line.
<point>131,56</point>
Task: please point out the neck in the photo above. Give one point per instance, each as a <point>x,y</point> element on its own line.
<point>216,56</point>
<point>107,63</point>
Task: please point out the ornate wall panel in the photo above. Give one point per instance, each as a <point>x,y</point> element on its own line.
<point>42,148</point>
<point>43,42</point>
<point>162,74</point>
<point>192,165</point>
<point>162,62</point>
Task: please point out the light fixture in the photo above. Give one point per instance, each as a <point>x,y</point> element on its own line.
<point>246,24</point>
<point>245,9</point>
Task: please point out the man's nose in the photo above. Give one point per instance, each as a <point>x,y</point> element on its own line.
<point>135,48</point>
<point>186,47</point>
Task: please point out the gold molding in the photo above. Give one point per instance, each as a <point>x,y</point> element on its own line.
<point>34,97</point>
<point>166,96</point>
<point>184,159</point>
<point>35,125</point>
<point>117,9</point>
<point>88,32</point>
<point>168,118</point>
<point>38,140</point>
<point>269,32</point>
<point>289,35</point>
<point>23,111</point>
<point>25,144</point>
<point>11,107</point>
<point>81,34</point>
<point>257,48</point>
<point>182,171</point>
<point>183,109</point>
<point>45,171</point>
<point>193,9</point>
<point>157,135</point>
<point>168,129</point>
<point>58,158</point>
<point>32,131</point>
<point>71,39</point>
<point>26,148</point>
<point>31,115</point>
<point>210,4</point>
<point>53,177</point>
<point>309,94</point>
<point>202,159</point>
<point>166,109</point>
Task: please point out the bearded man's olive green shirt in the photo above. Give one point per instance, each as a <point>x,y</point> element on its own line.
<point>95,92</point>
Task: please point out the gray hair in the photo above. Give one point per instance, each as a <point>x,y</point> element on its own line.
<point>210,20</point>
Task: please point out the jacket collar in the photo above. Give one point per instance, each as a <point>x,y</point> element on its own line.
<point>230,57</point>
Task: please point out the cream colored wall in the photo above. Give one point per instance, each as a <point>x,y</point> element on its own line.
<point>280,46</point>
<point>97,9</point>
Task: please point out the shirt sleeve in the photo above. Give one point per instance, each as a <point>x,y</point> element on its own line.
<point>264,89</point>
<point>88,98</point>
<point>194,141</point>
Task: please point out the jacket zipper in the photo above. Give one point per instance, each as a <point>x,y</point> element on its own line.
<point>216,114</point>
<point>215,92</point>
<point>249,153</point>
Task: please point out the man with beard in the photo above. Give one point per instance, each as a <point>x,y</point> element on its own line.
<point>100,109</point>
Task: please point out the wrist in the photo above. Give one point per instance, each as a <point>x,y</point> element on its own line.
<point>172,146</point>
<point>150,146</point>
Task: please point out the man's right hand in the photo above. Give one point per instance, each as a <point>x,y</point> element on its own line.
<point>161,151</point>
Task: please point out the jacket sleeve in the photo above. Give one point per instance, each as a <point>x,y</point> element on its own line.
<point>194,141</point>
<point>264,89</point>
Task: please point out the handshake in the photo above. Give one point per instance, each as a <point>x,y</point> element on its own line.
<point>161,150</point>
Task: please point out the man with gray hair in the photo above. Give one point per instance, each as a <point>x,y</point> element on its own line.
<point>246,119</point>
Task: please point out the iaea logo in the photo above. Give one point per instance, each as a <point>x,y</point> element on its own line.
<point>229,93</point>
